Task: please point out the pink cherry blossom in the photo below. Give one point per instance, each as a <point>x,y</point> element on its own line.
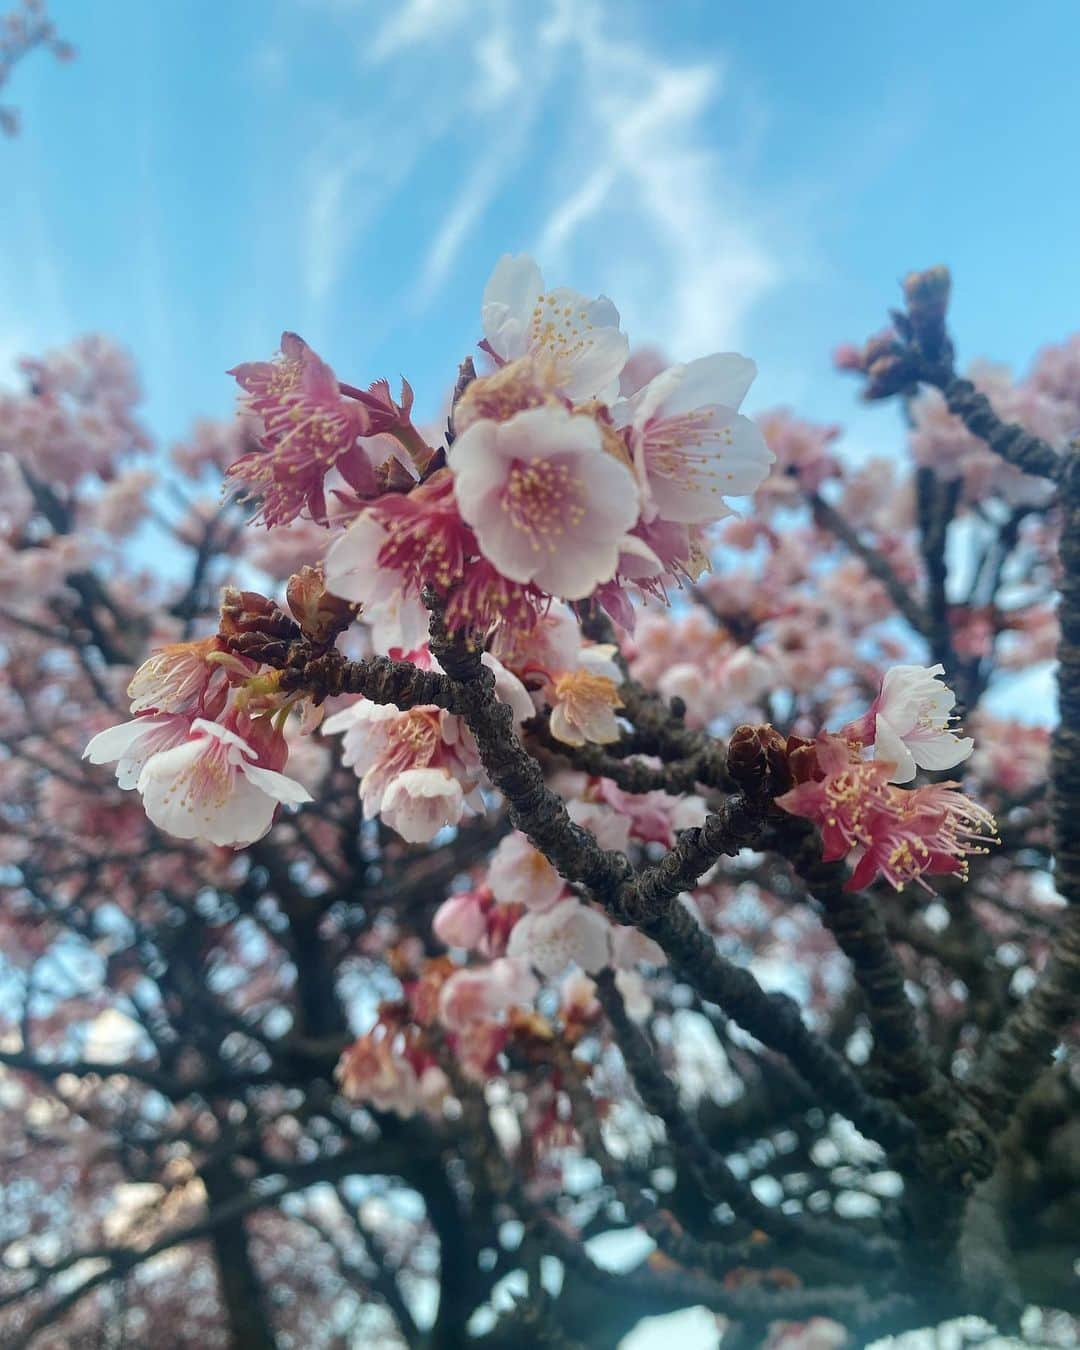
<point>894,833</point>
<point>406,541</point>
<point>928,831</point>
<point>579,337</point>
<point>610,829</point>
<point>460,921</point>
<point>655,817</point>
<point>803,457</point>
<point>418,768</point>
<point>549,505</point>
<point>841,797</point>
<point>308,428</point>
<point>182,677</point>
<point>484,993</point>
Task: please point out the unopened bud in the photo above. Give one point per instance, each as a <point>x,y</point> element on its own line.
<point>888,375</point>
<point>322,616</point>
<point>927,294</point>
<point>757,760</point>
<point>251,612</point>
<point>255,627</point>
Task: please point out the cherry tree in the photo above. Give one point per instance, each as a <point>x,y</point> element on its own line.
<point>603,819</point>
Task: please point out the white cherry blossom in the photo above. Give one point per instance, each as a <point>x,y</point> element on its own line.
<point>910,720</point>
<point>209,788</point>
<point>420,802</point>
<point>568,934</point>
<point>691,445</point>
<point>580,337</point>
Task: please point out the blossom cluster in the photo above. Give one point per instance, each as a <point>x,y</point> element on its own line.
<point>897,834</point>
<point>205,748</point>
<point>554,484</point>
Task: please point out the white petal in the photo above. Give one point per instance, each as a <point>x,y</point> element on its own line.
<point>689,484</point>
<point>109,745</point>
<point>420,802</point>
<point>944,752</point>
<point>510,297</point>
<point>352,569</point>
<point>889,748</point>
<point>509,689</point>
<point>217,732</point>
<point>277,785</point>
<point>562,728</point>
<point>722,378</point>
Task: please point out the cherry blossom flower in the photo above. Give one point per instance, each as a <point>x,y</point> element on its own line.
<point>819,1333</point>
<point>610,829</point>
<point>803,460</point>
<point>894,833</point>
<point>520,874</point>
<point>418,803</point>
<point>579,337</point>
<point>210,787</point>
<point>484,993</point>
<point>928,831</point>
<point>655,817</point>
<point>460,921</point>
<point>389,1068</point>
<point>584,700</point>
<point>841,797</point>
<point>308,428</point>
<point>183,676</point>
<point>406,541</point>
<point>416,767</point>
<point>548,504</point>
<point>909,723</point>
<point>569,933</point>
<point>691,446</point>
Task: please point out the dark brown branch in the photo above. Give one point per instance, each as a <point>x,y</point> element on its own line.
<point>1029,1038</point>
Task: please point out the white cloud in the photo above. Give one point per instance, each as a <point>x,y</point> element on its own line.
<point>662,210</point>
<point>414,23</point>
<point>627,157</point>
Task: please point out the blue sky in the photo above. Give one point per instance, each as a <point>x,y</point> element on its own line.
<point>747,175</point>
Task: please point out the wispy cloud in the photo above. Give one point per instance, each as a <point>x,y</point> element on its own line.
<point>660,208</point>
<point>608,158</point>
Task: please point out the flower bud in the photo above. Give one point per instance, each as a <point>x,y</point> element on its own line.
<point>254,626</point>
<point>927,296</point>
<point>757,760</point>
<point>321,616</point>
